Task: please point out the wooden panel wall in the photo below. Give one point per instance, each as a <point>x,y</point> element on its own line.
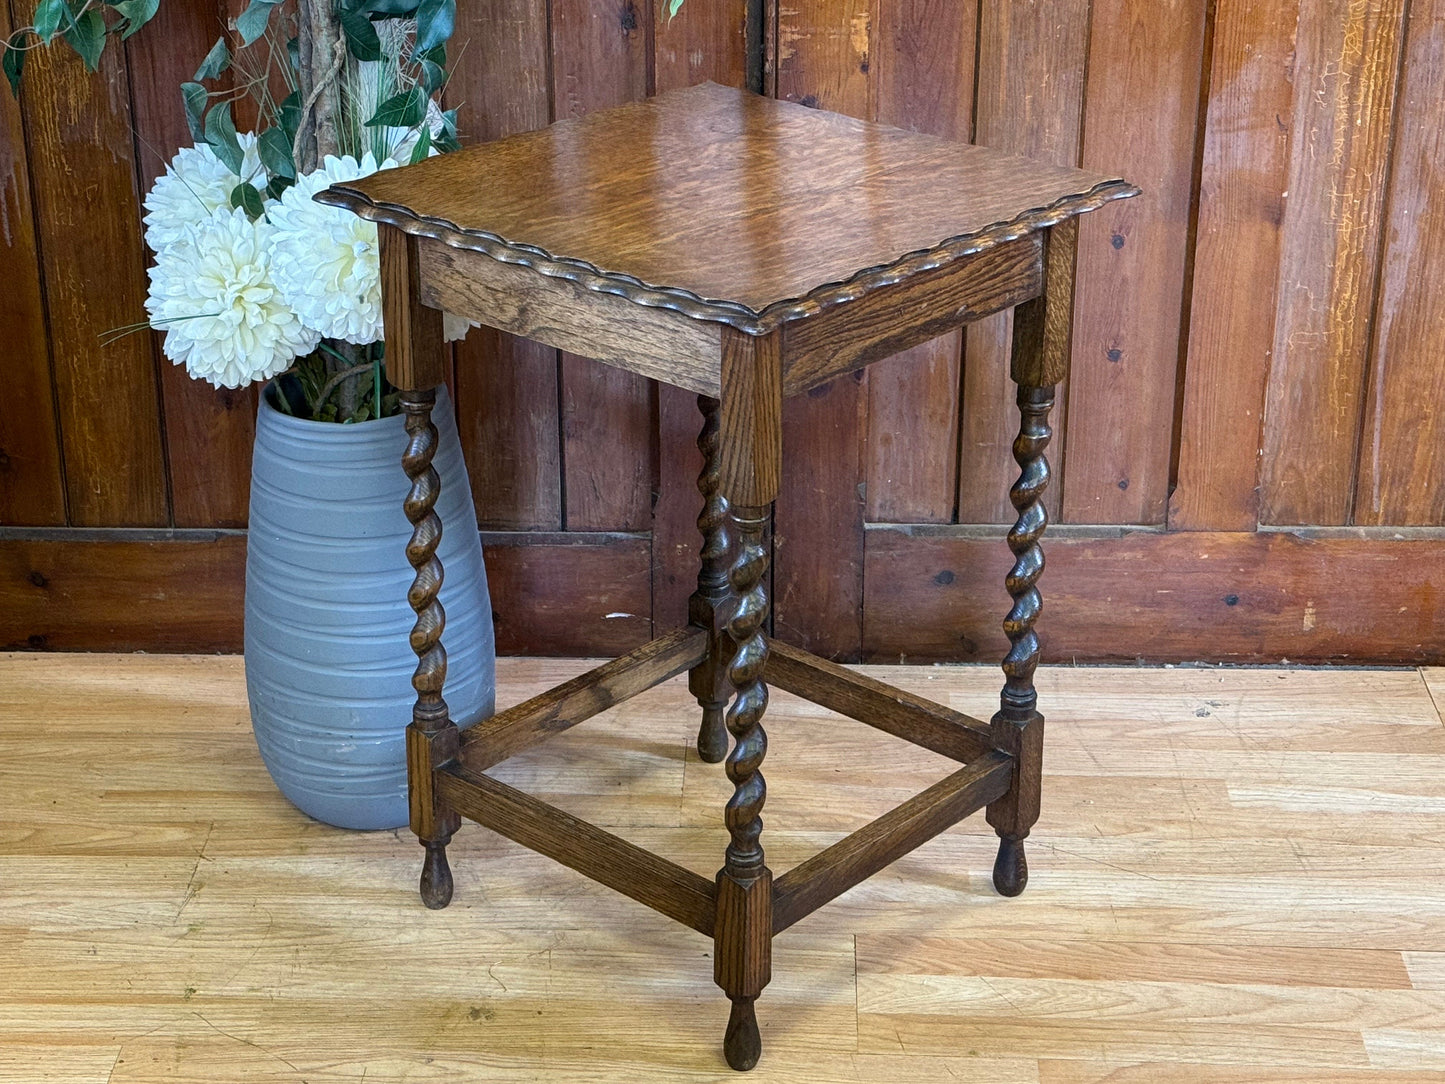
<point>1249,453</point>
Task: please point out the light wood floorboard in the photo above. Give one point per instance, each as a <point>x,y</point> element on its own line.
<point>1239,877</point>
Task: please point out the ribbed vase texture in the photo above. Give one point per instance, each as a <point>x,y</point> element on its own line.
<point>328,663</point>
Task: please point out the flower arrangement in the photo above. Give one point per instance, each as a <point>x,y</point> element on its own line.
<point>252,279</point>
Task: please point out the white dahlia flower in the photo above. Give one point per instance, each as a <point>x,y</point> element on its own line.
<point>325,260</point>
<point>213,296</point>
<point>195,185</point>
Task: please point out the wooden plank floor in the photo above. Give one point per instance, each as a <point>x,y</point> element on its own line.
<point>1239,876</point>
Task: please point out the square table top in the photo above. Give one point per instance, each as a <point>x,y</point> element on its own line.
<point>724,204</point>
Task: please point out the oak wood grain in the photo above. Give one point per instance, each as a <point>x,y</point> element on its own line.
<point>657,343</point>
<point>751,418</point>
<point>509,732</point>
<point>664,886</point>
<point>416,357</point>
<point>725,204</point>
<point>830,873</point>
<point>892,710</point>
<point>916,310</point>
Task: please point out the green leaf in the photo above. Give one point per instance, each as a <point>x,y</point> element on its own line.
<point>275,151</point>
<point>277,186</point>
<point>248,199</point>
<point>137,13</point>
<point>217,61</point>
<point>673,7</point>
<point>49,14</point>
<point>251,23</point>
<point>14,62</point>
<point>289,115</point>
<point>435,20</point>
<point>87,37</point>
<point>404,110</point>
<point>423,146</point>
<point>194,97</point>
<point>361,37</point>
<point>221,135</point>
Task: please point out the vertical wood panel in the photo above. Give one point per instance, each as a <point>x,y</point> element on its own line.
<point>1031,57</point>
<point>1140,119</point>
<point>600,59</point>
<point>703,41</point>
<point>823,55</point>
<point>83,169</point>
<point>1347,61</point>
<point>507,406</point>
<point>1244,174</point>
<point>924,66</point>
<point>31,487</point>
<point>208,431</point>
<point>1402,445</point>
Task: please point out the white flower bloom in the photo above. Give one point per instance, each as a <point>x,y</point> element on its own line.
<point>213,296</point>
<point>195,185</point>
<point>325,260</point>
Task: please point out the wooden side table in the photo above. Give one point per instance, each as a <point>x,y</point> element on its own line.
<point>745,249</point>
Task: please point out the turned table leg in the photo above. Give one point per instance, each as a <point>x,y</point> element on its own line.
<point>432,737</point>
<point>707,608</point>
<point>744,916</point>
<point>1018,727</point>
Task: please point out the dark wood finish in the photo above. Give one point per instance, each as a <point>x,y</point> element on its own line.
<point>1340,157</point>
<point>415,357</point>
<point>868,700</point>
<point>1244,175</point>
<point>885,321</point>
<point>718,216</point>
<point>657,343</point>
<point>1402,448</point>
<point>83,184</point>
<point>856,857</point>
<point>742,951</point>
<point>431,731</point>
<point>708,607</point>
<point>1141,111</point>
<point>1018,728</point>
<point>750,455</point>
<point>1043,328</point>
<point>31,488</point>
<point>678,893</point>
<point>509,732</point>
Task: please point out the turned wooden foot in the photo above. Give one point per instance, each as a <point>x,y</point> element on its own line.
<point>436,877</point>
<point>1010,868</point>
<point>742,1045</point>
<point>712,737</point>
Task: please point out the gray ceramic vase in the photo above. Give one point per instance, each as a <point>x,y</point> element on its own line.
<point>328,666</point>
